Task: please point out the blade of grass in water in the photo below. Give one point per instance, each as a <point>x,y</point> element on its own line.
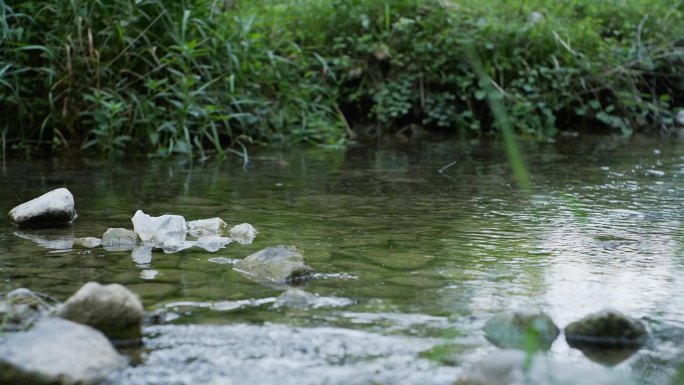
<point>502,121</point>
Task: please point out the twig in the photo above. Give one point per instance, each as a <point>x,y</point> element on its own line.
<point>444,168</point>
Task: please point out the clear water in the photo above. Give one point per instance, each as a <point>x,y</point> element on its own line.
<point>412,262</point>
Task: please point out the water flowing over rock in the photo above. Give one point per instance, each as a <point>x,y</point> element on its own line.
<point>514,367</point>
<point>276,265</point>
<point>279,354</point>
<point>112,309</point>
<point>520,329</point>
<point>119,239</point>
<point>55,208</point>
<point>607,327</point>
<point>300,299</point>
<point>57,351</point>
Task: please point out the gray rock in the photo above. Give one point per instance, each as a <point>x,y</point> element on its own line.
<point>112,309</point>
<point>57,351</point>
<point>521,330</point>
<point>276,265</point>
<point>55,208</point>
<point>20,308</point>
<point>119,239</point>
<point>607,327</point>
<point>510,367</point>
<point>87,242</point>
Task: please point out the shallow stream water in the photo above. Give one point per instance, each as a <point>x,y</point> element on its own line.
<point>411,261</point>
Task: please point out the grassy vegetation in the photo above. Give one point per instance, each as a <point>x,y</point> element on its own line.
<point>206,76</point>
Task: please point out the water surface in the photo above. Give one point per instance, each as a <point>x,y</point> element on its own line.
<point>412,262</point>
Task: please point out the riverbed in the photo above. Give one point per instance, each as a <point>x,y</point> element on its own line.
<point>415,246</point>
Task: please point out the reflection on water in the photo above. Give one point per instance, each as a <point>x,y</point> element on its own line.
<point>418,256</point>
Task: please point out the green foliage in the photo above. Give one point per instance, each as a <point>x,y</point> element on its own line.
<point>196,76</point>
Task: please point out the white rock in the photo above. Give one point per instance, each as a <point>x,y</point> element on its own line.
<point>243,233</point>
<point>163,231</point>
<point>213,244</point>
<point>55,208</point>
<point>206,227</point>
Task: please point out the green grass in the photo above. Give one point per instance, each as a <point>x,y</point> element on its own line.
<point>201,77</point>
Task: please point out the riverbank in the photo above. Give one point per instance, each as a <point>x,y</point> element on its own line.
<point>167,78</point>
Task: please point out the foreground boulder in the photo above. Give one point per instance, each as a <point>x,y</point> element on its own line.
<point>112,309</point>
<point>511,367</point>
<point>276,265</point>
<point>606,327</point>
<point>52,209</point>
<point>57,351</point>
<point>521,329</point>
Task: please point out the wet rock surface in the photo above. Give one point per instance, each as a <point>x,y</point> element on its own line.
<point>20,308</point>
<point>57,351</point>
<point>87,242</point>
<point>521,329</point>
<point>119,238</point>
<point>510,367</point>
<point>278,354</point>
<point>243,233</point>
<point>52,209</point>
<point>112,309</point>
<point>276,265</point>
<point>607,327</point>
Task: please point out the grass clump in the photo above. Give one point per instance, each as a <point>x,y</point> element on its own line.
<point>202,76</point>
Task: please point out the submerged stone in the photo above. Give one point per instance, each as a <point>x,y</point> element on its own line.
<point>522,330</point>
<point>112,309</point>
<point>55,208</point>
<point>57,351</point>
<point>277,265</point>
<point>607,327</point>
<point>515,367</point>
<point>300,299</point>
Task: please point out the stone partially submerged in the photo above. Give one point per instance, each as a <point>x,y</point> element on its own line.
<point>243,233</point>
<point>112,309</point>
<point>57,351</point>
<point>607,327</point>
<point>167,231</point>
<point>277,265</point>
<point>521,330</point>
<point>119,239</point>
<point>212,227</point>
<point>52,209</point>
